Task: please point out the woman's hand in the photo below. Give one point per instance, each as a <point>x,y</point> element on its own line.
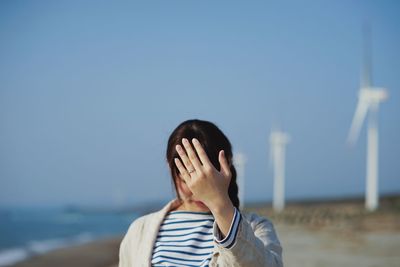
<point>207,184</point>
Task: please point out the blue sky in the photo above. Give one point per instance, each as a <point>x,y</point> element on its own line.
<point>91,90</point>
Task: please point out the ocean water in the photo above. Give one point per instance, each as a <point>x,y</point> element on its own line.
<point>25,232</point>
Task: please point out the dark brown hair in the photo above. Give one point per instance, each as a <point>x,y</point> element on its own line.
<point>213,140</point>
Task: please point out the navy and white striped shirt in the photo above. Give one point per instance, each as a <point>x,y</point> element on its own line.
<point>187,238</point>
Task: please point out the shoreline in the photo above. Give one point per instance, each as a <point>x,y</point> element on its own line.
<point>97,253</point>
<point>320,234</point>
<point>301,247</point>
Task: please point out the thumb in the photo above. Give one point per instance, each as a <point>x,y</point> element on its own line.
<point>224,164</point>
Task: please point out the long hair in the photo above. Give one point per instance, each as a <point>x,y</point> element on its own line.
<point>212,140</point>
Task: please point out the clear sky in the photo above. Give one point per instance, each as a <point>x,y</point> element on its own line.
<point>91,90</point>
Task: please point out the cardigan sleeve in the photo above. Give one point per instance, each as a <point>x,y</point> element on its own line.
<point>126,247</point>
<point>230,238</point>
<point>123,252</point>
<point>256,244</point>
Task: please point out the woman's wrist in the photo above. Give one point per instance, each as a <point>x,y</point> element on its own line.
<point>223,212</point>
<point>219,206</point>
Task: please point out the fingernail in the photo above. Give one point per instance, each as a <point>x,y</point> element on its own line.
<point>178,147</point>
<point>184,140</point>
<point>194,140</point>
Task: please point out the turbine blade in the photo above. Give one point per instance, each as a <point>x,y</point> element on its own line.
<point>358,119</point>
<point>272,149</point>
<point>366,76</point>
<point>270,156</point>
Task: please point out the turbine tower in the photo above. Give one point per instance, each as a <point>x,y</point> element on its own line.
<point>278,141</point>
<point>239,160</point>
<point>369,98</point>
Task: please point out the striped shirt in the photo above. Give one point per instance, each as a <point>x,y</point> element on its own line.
<point>187,238</point>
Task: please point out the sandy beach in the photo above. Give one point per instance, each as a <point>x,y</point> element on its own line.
<point>305,247</point>
<point>101,253</point>
<point>312,235</point>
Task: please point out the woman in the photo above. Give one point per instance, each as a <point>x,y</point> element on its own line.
<point>203,226</point>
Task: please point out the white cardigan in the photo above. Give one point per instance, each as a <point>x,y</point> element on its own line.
<point>256,242</point>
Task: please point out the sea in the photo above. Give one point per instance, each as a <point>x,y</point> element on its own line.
<point>26,232</point>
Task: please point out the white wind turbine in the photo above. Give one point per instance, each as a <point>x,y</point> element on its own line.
<point>369,98</point>
<point>239,160</point>
<point>278,141</point>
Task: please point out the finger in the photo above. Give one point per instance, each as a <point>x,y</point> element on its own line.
<point>201,152</point>
<point>182,170</point>
<point>186,161</point>
<point>225,169</point>
<point>192,155</point>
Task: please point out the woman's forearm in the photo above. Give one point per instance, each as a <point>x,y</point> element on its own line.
<point>223,214</point>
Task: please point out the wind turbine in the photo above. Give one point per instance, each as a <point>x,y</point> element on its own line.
<point>278,141</point>
<point>369,98</point>
<point>239,160</point>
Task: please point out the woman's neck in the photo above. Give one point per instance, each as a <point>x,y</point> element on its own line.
<point>191,206</point>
